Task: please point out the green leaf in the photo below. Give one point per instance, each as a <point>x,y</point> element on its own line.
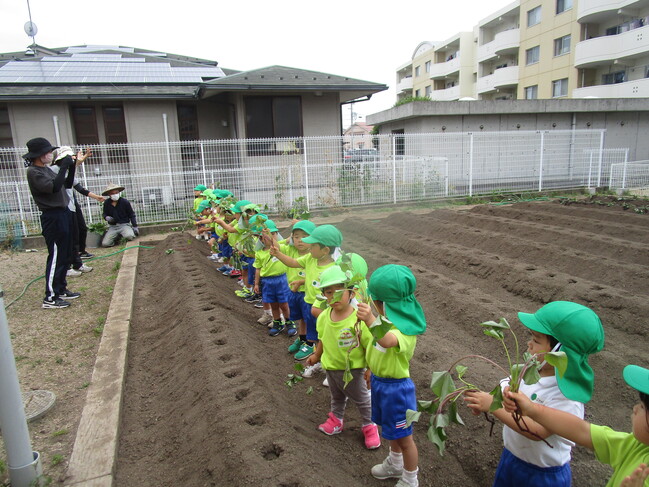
<point>299,367</point>
<point>440,420</point>
<point>461,370</point>
<point>309,391</point>
<point>438,438</point>
<point>427,406</point>
<point>380,327</point>
<point>347,377</point>
<point>412,416</point>
<point>501,323</point>
<point>442,384</point>
<point>532,375</point>
<point>497,402</point>
<point>493,333</point>
<point>453,415</point>
<point>558,360</point>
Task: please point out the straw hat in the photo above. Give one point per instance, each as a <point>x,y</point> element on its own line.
<point>112,187</point>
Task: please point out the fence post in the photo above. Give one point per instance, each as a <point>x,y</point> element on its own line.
<point>601,156</point>
<point>20,209</point>
<point>470,163</point>
<point>394,168</point>
<point>85,185</point>
<point>446,179</point>
<point>171,179</point>
<point>590,169</point>
<point>290,185</point>
<point>203,164</point>
<point>541,162</point>
<point>306,176</point>
<point>626,160</point>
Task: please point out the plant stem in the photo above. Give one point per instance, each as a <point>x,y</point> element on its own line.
<point>479,357</point>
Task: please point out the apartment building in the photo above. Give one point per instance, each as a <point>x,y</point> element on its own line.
<point>538,49</point>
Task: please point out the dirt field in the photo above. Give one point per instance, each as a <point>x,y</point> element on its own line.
<point>206,403</point>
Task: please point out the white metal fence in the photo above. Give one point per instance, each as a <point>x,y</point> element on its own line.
<point>159,177</point>
<point>630,176</point>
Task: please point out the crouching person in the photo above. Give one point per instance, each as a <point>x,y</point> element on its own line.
<point>120,216</point>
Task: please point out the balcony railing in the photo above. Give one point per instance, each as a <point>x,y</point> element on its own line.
<point>442,70</point>
<point>631,89</point>
<point>597,10</point>
<point>607,49</point>
<point>504,42</point>
<point>404,85</point>
<point>449,94</point>
<point>501,78</point>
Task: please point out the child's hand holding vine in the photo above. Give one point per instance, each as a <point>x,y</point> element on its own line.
<point>364,313</point>
<point>478,401</point>
<point>517,401</point>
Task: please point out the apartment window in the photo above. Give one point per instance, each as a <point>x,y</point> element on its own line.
<point>563,5</point>
<point>427,66</point>
<point>428,90</point>
<point>562,45</point>
<point>270,117</point>
<point>417,93</point>
<point>534,16</point>
<point>417,70</point>
<point>614,78</point>
<point>532,55</point>
<point>560,88</point>
<point>531,92</point>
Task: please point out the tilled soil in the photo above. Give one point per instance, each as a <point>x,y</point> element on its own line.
<point>205,401</point>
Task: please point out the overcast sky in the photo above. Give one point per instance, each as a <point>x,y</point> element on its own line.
<point>361,40</point>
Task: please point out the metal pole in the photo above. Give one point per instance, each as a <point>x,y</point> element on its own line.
<point>306,177</point>
<point>394,168</point>
<point>601,156</point>
<point>290,184</point>
<point>471,164</point>
<point>24,464</point>
<point>203,164</point>
<point>85,185</point>
<point>20,209</point>
<point>166,129</point>
<point>57,134</point>
<point>590,169</point>
<point>626,160</point>
<point>541,162</point>
<point>446,179</point>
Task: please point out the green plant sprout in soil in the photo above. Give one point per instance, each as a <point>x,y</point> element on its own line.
<point>443,407</point>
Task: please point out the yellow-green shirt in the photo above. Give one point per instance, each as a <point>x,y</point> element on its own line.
<point>233,237</point>
<point>268,265</point>
<point>292,273</point>
<point>312,273</point>
<point>336,338</point>
<point>197,201</point>
<point>390,363</point>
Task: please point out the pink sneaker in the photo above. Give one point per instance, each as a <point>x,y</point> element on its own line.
<point>332,426</point>
<point>372,439</point>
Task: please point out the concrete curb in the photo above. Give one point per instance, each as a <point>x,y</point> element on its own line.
<point>93,458</point>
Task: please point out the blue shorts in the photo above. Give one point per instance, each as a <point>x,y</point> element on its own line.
<point>310,320</point>
<point>226,249</point>
<point>391,398</point>
<point>213,235</point>
<point>295,301</point>
<point>274,289</point>
<point>512,472</point>
<point>247,261</point>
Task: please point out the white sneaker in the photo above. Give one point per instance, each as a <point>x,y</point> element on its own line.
<point>85,268</point>
<point>325,382</point>
<point>386,470</point>
<point>312,369</point>
<point>73,273</point>
<point>198,236</point>
<point>220,260</point>
<point>265,319</point>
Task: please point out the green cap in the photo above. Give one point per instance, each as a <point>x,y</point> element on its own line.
<point>257,222</point>
<point>238,206</point>
<point>580,332</point>
<point>203,205</point>
<point>326,235</point>
<point>251,206</point>
<point>637,377</point>
<point>222,193</point>
<point>305,225</point>
<point>356,262</point>
<point>395,285</point>
<point>270,224</point>
<point>332,275</point>
<point>200,187</point>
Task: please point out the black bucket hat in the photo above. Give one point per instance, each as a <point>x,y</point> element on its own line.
<point>37,147</point>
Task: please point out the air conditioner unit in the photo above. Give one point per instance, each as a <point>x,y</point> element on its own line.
<point>157,196</point>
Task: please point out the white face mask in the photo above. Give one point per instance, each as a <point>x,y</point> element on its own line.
<point>114,197</point>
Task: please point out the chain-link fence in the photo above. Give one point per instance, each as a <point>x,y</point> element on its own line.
<point>317,172</point>
<point>630,176</point>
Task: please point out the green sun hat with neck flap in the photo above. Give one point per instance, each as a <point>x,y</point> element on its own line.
<point>305,225</point>
<point>222,193</point>
<point>358,264</point>
<point>326,235</point>
<point>200,187</point>
<point>257,222</point>
<point>637,377</point>
<point>331,276</point>
<point>238,206</point>
<point>581,334</point>
<point>395,286</point>
<point>203,205</point>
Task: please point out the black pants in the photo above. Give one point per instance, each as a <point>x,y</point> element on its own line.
<point>75,258</point>
<point>83,228</point>
<point>56,225</point>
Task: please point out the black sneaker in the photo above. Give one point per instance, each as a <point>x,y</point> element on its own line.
<point>55,303</point>
<point>86,255</point>
<point>67,294</point>
<point>253,299</point>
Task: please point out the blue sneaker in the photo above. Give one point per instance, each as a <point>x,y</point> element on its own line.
<point>291,329</point>
<point>278,327</point>
<point>223,268</point>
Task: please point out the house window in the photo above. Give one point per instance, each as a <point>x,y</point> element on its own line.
<point>560,88</point>
<point>614,78</point>
<point>534,16</point>
<point>563,5</point>
<point>187,122</point>
<point>417,93</point>
<point>531,92</point>
<point>273,117</point>
<point>532,55</point>
<point>6,140</point>
<point>562,45</point>
<point>84,119</point>
<point>427,66</point>
<point>399,142</point>
<point>417,70</point>
<point>115,130</point>
<point>428,90</point>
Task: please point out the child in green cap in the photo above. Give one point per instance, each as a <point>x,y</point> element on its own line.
<point>526,460</point>
<point>323,242</point>
<point>392,289</point>
<point>627,453</point>
<point>337,334</point>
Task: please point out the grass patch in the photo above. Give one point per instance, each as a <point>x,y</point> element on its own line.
<point>59,433</point>
<point>56,459</point>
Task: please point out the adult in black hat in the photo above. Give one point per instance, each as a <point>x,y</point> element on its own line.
<point>48,191</point>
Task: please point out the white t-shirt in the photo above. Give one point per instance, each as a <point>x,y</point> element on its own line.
<point>545,392</point>
<point>71,205</point>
